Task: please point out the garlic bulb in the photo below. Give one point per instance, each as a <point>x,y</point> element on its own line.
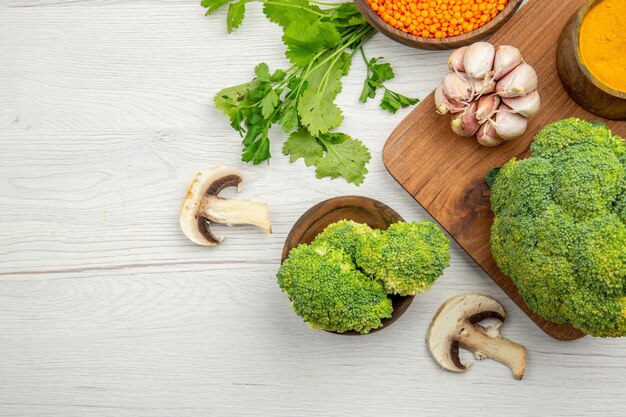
<point>490,92</point>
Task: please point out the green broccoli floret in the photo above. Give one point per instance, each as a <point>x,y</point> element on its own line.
<point>329,293</point>
<point>559,229</point>
<point>345,234</point>
<point>408,257</point>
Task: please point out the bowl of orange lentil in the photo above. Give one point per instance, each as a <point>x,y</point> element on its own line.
<point>437,24</point>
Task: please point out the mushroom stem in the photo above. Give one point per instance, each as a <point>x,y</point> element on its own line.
<point>233,211</point>
<point>497,348</point>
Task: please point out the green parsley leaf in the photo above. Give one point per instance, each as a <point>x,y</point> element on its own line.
<point>212,5</point>
<point>236,12</point>
<point>346,159</point>
<point>285,12</point>
<point>304,42</point>
<point>262,72</point>
<point>380,72</point>
<point>346,15</point>
<point>390,102</point>
<point>318,113</point>
<point>393,101</point>
<point>268,104</point>
<point>406,101</point>
<point>230,100</point>
<point>277,76</point>
<point>289,119</point>
<point>376,75</point>
<point>302,145</point>
<point>257,152</point>
<point>327,78</point>
<point>369,90</point>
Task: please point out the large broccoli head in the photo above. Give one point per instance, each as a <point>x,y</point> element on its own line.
<point>560,226</point>
<point>329,293</point>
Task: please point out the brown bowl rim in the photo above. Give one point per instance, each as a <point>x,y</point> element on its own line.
<point>438,43</point>
<point>400,303</point>
<point>582,12</point>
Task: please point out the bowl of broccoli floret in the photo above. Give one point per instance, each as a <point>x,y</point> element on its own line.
<point>351,265</point>
<point>560,226</point>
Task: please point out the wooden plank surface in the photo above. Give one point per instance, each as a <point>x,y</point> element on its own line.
<point>106,309</point>
<point>445,172</point>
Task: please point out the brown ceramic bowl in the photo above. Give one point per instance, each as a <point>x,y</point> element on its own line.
<point>433,43</point>
<point>586,89</point>
<point>360,209</point>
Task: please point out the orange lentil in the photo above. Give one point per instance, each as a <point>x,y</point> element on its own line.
<point>437,18</point>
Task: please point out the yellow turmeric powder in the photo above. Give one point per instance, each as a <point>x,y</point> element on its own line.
<point>603,42</point>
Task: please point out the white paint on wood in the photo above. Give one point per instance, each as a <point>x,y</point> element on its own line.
<point>106,309</point>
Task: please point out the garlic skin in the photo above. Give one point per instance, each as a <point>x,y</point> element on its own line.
<point>527,105</point>
<point>483,86</point>
<point>465,123</point>
<point>487,106</point>
<point>455,62</point>
<point>521,81</point>
<point>509,125</point>
<point>456,87</point>
<point>478,60</point>
<point>507,58</point>
<point>444,104</point>
<point>487,135</point>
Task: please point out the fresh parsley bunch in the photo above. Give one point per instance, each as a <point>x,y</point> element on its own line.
<point>320,45</point>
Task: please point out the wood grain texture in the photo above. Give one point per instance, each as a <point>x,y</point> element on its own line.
<point>107,310</point>
<point>434,44</point>
<point>360,209</point>
<point>445,173</point>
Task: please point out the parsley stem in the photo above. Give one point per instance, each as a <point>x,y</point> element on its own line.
<point>358,35</point>
<point>324,3</point>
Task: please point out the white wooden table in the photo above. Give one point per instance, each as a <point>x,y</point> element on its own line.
<point>107,310</point>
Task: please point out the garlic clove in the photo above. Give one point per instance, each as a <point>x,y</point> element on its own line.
<point>487,106</point>
<point>465,123</point>
<point>487,135</point>
<point>509,125</point>
<point>444,105</point>
<point>484,86</point>
<point>478,59</point>
<point>527,105</point>
<point>455,62</point>
<point>522,80</point>
<point>507,58</point>
<point>456,87</point>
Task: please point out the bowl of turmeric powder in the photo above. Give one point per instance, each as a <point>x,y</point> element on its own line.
<point>591,58</point>
<point>437,24</point>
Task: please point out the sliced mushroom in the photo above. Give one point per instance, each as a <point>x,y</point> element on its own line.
<point>456,325</point>
<point>202,206</point>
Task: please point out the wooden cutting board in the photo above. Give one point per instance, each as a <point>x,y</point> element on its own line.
<point>445,172</point>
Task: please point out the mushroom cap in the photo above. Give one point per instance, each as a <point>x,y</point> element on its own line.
<point>452,317</point>
<point>206,182</point>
